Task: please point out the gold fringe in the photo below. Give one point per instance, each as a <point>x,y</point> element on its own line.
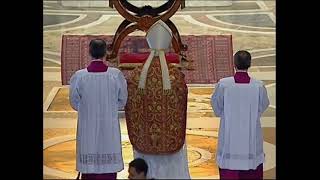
<point>167,91</point>
<point>141,91</point>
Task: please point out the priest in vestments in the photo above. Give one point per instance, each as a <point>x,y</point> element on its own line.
<point>240,101</point>
<point>97,93</point>
<point>156,110</point>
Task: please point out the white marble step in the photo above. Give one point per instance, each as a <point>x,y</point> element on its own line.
<point>153,3</point>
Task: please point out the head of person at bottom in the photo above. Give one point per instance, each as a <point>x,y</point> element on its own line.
<point>242,60</point>
<point>138,169</point>
<point>97,49</point>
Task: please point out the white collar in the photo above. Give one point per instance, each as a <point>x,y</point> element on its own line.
<point>241,71</point>
<point>96,60</point>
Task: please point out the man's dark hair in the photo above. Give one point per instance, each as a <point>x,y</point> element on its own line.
<point>97,48</point>
<point>140,165</point>
<point>242,60</point>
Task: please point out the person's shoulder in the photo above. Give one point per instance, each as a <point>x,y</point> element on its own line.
<point>114,70</point>
<point>226,80</point>
<point>80,72</point>
<point>257,82</point>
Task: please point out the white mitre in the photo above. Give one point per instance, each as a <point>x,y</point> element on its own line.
<point>159,38</point>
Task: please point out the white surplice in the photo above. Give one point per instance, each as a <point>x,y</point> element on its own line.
<point>97,97</point>
<point>171,166</point>
<point>240,145</point>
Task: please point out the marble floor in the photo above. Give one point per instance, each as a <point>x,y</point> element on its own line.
<point>252,25</point>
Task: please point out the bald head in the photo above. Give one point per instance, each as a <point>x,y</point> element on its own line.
<point>97,48</point>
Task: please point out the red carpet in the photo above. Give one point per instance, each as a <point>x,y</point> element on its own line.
<point>212,55</point>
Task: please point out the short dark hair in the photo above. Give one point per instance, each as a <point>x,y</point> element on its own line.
<point>140,165</point>
<point>97,48</point>
<point>242,60</point>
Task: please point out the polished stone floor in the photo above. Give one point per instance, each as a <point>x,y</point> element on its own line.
<point>252,25</point>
